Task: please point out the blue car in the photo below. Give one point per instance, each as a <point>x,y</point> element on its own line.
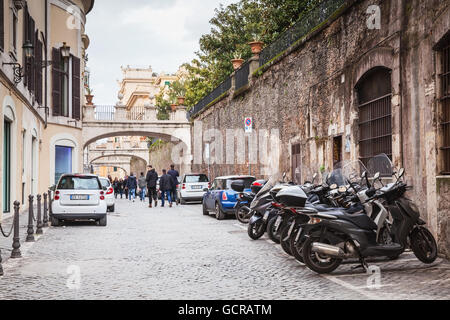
<point>220,198</point>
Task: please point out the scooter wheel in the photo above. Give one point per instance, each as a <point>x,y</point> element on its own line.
<point>256,230</point>
<point>423,245</point>
<point>318,262</point>
<point>284,239</point>
<point>273,235</point>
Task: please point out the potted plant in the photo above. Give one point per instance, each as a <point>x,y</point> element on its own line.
<point>237,60</point>
<point>256,45</point>
<point>89,95</point>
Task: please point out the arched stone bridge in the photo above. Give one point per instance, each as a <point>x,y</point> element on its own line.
<point>114,121</point>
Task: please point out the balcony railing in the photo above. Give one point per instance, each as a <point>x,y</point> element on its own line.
<point>105,113</point>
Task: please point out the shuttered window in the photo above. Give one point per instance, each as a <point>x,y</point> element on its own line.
<point>445,103</point>
<point>30,34</point>
<point>56,82</point>
<point>2,25</point>
<point>76,88</point>
<point>38,73</point>
<point>374,106</point>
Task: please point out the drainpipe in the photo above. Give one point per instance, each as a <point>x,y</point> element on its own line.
<point>46,70</point>
<point>402,27</point>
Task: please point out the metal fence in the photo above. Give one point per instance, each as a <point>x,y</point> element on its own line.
<point>216,93</point>
<point>310,20</point>
<point>104,113</point>
<point>241,76</point>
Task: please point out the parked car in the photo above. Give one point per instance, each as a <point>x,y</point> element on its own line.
<point>79,197</point>
<point>191,187</point>
<point>220,198</point>
<point>109,195</point>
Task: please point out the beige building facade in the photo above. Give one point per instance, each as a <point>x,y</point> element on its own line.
<point>42,50</point>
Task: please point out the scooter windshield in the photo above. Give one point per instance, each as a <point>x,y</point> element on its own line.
<point>380,163</point>
<point>352,171</point>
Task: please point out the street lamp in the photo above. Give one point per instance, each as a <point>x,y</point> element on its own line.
<point>17,68</point>
<point>65,51</point>
<point>28,49</point>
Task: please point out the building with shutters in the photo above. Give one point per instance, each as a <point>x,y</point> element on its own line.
<point>42,50</point>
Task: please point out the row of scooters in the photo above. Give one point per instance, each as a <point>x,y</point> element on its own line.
<point>357,211</point>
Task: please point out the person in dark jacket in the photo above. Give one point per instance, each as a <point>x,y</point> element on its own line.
<point>166,186</point>
<point>132,186</point>
<point>174,174</point>
<point>125,188</point>
<point>152,179</point>
<point>121,188</point>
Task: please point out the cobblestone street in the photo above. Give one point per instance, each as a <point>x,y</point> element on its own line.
<point>177,253</point>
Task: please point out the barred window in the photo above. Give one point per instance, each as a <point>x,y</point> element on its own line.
<point>445,103</point>
<point>374,107</point>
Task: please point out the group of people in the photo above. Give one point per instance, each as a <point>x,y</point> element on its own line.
<point>148,186</point>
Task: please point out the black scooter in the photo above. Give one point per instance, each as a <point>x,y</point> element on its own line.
<point>336,236</point>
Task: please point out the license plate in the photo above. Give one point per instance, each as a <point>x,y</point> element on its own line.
<point>196,187</point>
<point>79,197</point>
<point>266,215</point>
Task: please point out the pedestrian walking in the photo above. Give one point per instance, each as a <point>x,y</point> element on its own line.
<point>174,174</point>
<point>142,183</point>
<point>152,179</point>
<point>121,188</point>
<point>125,187</point>
<point>116,187</point>
<point>166,186</point>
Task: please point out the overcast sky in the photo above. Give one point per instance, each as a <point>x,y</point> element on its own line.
<point>161,33</point>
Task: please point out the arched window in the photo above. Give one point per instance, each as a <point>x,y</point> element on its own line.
<point>374,108</point>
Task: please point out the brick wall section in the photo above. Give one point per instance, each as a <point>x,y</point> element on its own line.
<point>309,96</point>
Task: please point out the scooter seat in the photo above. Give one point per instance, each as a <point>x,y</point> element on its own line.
<point>359,219</point>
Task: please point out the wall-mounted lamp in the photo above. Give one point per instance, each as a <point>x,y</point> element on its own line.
<point>17,68</point>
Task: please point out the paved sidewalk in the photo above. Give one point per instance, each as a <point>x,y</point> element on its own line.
<point>177,253</point>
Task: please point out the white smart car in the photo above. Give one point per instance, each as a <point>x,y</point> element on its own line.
<point>79,197</point>
<point>191,187</point>
<point>109,194</point>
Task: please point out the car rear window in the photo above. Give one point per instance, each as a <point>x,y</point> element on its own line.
<point>105,183</point>
<point>196,178</point>
<point>79,183</point>
<point>247,182</point>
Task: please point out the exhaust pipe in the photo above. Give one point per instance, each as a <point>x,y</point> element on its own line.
<point>328,250</point>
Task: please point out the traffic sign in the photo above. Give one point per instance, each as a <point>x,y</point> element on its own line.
<point>248,125</point>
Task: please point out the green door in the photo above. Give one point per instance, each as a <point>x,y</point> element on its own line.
<point>7,167</point>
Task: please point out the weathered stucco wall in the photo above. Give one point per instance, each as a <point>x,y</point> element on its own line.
<point>309,96</point>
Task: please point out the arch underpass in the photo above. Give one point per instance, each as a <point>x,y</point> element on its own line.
<point>120,123</point>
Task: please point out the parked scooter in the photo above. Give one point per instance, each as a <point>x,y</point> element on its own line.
<point>244,199</point>
<point>339,236</point>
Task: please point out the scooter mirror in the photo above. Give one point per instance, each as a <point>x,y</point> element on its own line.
<point>314,177</point>
<point>401,172</point>
<point>376,176</point>
<point>364,175</point>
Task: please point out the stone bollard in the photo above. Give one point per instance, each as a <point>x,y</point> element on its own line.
<point>30,230</point>
<point>39,215</point>
<point>16,239</point>
<point>45,219</point>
